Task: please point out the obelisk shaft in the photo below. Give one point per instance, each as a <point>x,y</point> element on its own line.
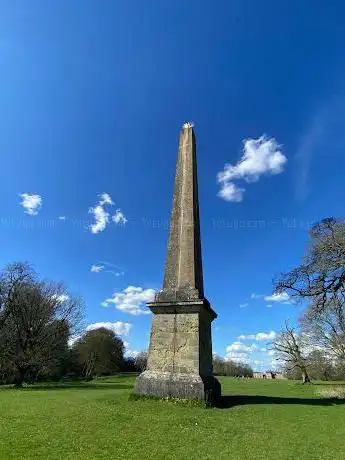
<point>183,269</point>
<point>179,361</point>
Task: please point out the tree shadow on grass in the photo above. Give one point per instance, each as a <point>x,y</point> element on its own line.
<point>76,386</point>
<point>226,402</point>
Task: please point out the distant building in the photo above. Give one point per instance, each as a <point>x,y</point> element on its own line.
<point>269,375</point>
<point>259,375</point>
<point>280,376</point>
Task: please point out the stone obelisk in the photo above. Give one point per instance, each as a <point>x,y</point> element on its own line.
<point>180,352</point>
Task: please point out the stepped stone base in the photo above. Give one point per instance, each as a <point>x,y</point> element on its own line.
<point>180,354</point>
<point>181,386</point>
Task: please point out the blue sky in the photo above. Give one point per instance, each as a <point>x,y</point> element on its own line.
<point>92,98</point>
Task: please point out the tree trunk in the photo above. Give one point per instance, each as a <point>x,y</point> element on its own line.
<point>20,377</point>
<point>305,377</point>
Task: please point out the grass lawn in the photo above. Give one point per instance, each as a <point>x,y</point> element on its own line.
<point>267,419</point>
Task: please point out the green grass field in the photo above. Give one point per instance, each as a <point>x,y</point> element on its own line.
<point>261,419</point>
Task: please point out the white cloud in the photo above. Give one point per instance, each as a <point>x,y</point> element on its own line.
<point>237,356</point>
<point>118,327</point>
<point>281,297</point>
<point>32,203</point>
<point>96,268</point>
<point>259,336</point>
<point>277,364</point>
<point>246,337</point>
<point>266,335</point>
<point>243,305</point>
<point>101,216</point>
<point>62,217</point>
<point>277,297</point>
<point>230,192</point>
<point>271,353</point>
<point>131,353</point>
<point>119,217</point>
<point>241,347</point>
<point>105,198</point>
<point>131,300</point>
<point>259,156</point>
<point>257,362</point>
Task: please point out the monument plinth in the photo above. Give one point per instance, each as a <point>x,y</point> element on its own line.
<point>180,352</point>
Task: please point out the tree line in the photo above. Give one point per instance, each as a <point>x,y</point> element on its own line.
<point>231,368</point>
<point>315,347</point>
<point>42,333</point>
<point>42,330</point>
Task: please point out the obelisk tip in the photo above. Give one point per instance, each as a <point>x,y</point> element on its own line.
<point>187,125</point>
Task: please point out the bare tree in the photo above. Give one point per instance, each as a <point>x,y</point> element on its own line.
<point>11,278</point>
<point>320,367</point>
<point>289,348</point>
<point>141,361</point>
<point>35,315</point>
<point>320,278</point>
<point>325,328</point>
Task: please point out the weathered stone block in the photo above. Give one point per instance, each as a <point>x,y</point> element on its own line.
<point>180,355</point>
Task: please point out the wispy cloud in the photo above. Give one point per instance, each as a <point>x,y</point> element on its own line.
<point>256,296</point>
<point>110,264</point>
<point>62,217</point>
<point>103,266</point>
<point>31,203</point>
<point>243,305</point>
<point>115,273</point>
<point>96,268</point>
<point>260,156</point>
<point>323,136</point>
